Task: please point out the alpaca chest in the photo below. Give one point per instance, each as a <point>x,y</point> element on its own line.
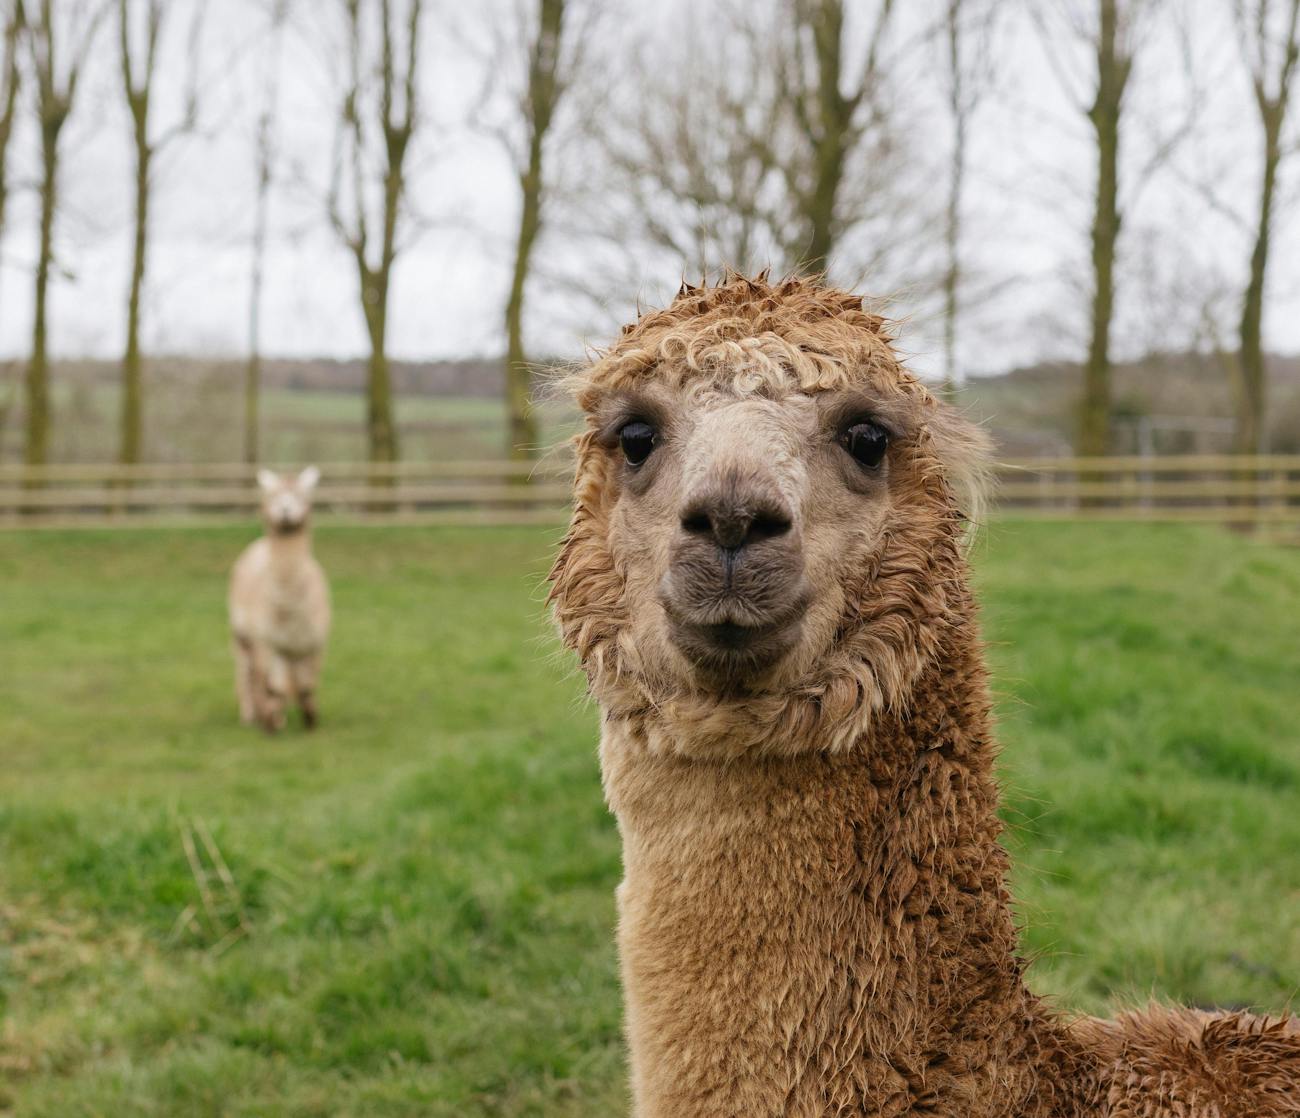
<point>793,946</point>
<point>290,625</point>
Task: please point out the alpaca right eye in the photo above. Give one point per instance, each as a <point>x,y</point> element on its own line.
<point>866,442</point>
<point>637,440</point>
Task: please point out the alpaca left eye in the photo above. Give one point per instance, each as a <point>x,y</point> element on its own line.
<point>867,442</point>
<point>637,440</point>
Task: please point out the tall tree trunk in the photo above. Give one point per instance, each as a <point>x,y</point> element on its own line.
<point>835,117</point>
<point>522,432</point>
<point>11,78</point>
<point>1272,96</point>
<point>821,208</point>
<point>138,66</point>
<point>253,367</point>
<point>1252,386</point>
<point>826,116</point>
<point>399,113</point>
<point>1094,415</point>
<point>36,450</point>
<point>374,292</point>
<point>261,215</point>
<point>956,180</point>
<point>542,97</point>
<point>380,429</point>
<point>1112,75</point>
<point>132,371</point>
<point>54,100</point>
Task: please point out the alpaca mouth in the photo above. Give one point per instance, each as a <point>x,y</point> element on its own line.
<point>730,651</point>
<point>732,636</point>
<point>730,642</point>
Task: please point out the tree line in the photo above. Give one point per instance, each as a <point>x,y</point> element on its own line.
<point>754,135</point>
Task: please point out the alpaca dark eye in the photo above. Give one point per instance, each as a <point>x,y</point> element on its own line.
<point>866,442</point>
<point>637,440</point>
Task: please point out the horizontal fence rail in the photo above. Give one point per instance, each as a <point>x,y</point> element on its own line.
<point>1263,489</point>
<point>1224,488</point>
<point>450,492</point>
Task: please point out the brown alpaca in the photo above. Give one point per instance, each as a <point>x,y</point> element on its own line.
<point>765,582</point>
<point>279,608</point>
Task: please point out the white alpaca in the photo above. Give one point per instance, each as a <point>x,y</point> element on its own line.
<point>279,607</point>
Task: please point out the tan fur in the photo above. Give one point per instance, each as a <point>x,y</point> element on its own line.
<point>279,608</point>
<point>814,919</point>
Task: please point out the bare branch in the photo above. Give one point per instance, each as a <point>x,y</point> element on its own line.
<point>378,113</point>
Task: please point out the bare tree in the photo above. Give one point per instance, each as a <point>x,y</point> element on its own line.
<point>1114,57</point>
<point>56,89</point>
<point>266,124</point>
<point>690,155</point>
<point>1111,33</point>
<point>545,86</point>
<point>833,113</point>
<point>1270,47</point>
<point>370,120</point>
<point>760,137</point>
<point>138,57</point>
<point>10,78</point>
<point>967,76</point>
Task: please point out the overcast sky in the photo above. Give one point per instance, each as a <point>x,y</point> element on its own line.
<point>1029,201</point>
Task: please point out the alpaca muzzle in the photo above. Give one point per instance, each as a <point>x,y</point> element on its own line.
<point>735,593</point>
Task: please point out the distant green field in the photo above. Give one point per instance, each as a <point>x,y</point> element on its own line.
<point>426,883</point>
<point>203,422</point>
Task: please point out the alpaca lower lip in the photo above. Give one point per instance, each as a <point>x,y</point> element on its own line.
<point>728,634</point>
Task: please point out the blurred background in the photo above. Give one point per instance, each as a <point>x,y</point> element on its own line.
<point>241,228</point>
<point>361,233</point>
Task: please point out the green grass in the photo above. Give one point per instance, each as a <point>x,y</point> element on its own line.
<point>428,879</point>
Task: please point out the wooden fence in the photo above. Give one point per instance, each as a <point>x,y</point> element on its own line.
<point>1230,489</point>
<point>1209,487</point>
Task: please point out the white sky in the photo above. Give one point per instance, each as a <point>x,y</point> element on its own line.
<point>1029,198</point>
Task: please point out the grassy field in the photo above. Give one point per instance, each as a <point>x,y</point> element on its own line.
<point>416,908</point>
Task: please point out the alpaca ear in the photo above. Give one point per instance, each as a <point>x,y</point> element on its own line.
<point>269,480</point>
<point>966,454</point>
<point>308,478</point>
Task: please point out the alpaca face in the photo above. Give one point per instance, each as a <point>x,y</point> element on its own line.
<point>286,501</point>
<point>740,522</point>
<point>767,522</point>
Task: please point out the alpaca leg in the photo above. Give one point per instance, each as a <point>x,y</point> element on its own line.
<point>306,673</point>
<point>245,679</point>
<point>274,693</point>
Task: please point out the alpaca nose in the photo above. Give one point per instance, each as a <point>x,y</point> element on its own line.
<point>734,517</point>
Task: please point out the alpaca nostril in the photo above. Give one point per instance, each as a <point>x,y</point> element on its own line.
<point>697,523</point>
<point>768,523</point>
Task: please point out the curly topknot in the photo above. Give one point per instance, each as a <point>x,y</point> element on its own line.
<point>796,334</point>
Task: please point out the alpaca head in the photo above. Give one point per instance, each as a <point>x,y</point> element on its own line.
<point>767,520</point>
<point>286,501</point>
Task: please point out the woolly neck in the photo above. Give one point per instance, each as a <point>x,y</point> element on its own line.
<point>289,547</point>
<point>864,883</point>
